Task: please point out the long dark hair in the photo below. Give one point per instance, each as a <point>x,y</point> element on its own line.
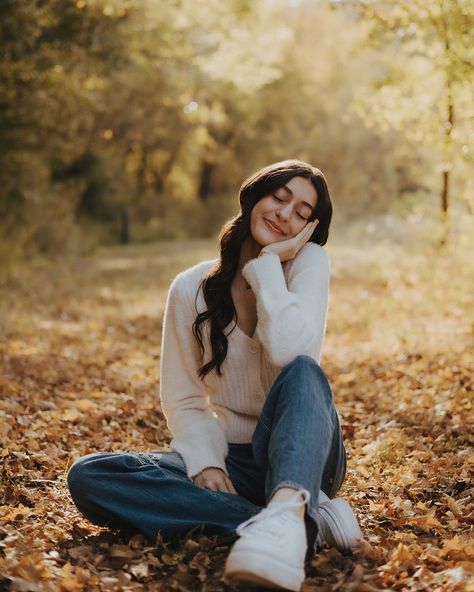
<point>216,285</point>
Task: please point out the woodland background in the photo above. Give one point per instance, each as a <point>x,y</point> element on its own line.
<point>126,129</point>
<point>135,121</point>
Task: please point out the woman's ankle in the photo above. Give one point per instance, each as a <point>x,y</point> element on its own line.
<point>284,494</point>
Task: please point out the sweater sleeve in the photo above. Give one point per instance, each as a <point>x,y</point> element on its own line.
<point>291,319</point>
<point>198,435</point>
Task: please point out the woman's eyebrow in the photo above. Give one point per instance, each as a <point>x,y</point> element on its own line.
<point>286,188</point>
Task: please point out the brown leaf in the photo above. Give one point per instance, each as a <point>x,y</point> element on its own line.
<point>122,551</point>
<point>139,570</point>
<point>70,415</point>
<point>456,547</point>
<point>426,523</point>
<point>84,404</point>
<point>68,579</point>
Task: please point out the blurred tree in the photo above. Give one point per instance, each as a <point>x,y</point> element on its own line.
<point>306,111</point>
<point>52,67</point>
<point>430,93</point>
<point>127,120</point>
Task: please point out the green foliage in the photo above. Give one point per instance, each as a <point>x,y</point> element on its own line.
<point>50,71</point>
<point>126,120</point>
<point>426,82</point>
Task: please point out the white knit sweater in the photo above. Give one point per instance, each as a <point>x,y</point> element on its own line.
<point>203,416</point>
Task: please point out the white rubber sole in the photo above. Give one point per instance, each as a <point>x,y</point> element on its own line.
<point>340,525</point>
<point>257,569</point>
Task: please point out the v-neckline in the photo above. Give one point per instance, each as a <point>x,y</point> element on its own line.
<point>239,330</point>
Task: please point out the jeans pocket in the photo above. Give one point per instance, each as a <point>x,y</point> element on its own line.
<point>172,460</point>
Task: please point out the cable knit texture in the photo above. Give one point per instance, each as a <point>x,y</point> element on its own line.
<point>203,416</point>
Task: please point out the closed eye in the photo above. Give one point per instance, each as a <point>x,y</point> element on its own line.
<point>297,213</point>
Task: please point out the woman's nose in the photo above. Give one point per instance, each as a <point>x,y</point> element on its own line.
<point>284,212</point>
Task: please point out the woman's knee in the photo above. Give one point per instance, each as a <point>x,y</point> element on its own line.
<point>304,365</point>
<point>304,383</point>
<point>82,472</point>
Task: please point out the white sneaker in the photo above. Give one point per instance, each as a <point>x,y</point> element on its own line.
<point>272,546</point>
<point>338,526</point>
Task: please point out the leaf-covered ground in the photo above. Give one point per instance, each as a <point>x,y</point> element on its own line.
<point>79,354</point>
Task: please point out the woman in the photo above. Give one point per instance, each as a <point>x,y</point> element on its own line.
<point>257,451</point>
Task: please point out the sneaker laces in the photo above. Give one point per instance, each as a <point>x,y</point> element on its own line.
<point>277,512</point>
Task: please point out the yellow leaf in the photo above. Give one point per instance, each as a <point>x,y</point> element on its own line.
<point>407,478</point>
<point>363,471</point>
<point>453,506</point>
<point>457,546</point>
<point>402,554</point>
<point>84,404</point>
<point>69,580</point>
<point>348,377</point>
<point>98,394</point>
<point>426,522</point>
<point>70,415</point>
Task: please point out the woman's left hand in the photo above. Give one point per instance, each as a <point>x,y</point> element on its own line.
<point>289,248</point>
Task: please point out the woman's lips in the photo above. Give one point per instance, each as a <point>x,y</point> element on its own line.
<point>270,225</point>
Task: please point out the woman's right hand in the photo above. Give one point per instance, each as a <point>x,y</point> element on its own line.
<point>288,249</point>
<point>214,479</point>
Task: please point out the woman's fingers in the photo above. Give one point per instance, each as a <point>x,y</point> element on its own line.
<point>308,230</point>
<point>224,485</point>
<point>216,484</point>
<point>230,487</point>
<point>303,236</point>
<point>312,226</point>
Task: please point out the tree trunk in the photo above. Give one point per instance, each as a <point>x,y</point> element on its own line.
<point>205,180</point>
<point>124,227</point>
<point>449,126</point>
<point>447,169</point>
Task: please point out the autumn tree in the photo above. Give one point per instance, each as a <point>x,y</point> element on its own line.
<point>138,120</point>
<point>427,78</point>
<point>54,56</point>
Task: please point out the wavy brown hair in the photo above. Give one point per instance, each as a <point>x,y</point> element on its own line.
<point>216,285</point>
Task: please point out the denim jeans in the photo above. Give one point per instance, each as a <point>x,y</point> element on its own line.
<point>297,443</point>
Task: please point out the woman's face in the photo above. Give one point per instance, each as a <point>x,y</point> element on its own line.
<point>283,213</point>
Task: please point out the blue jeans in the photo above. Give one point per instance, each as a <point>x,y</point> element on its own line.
<point>297,443</point>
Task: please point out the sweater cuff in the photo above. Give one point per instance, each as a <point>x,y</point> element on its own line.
<point>265,272</point>
<point>201,450</point>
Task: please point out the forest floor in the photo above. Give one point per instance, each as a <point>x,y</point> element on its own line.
<point>79,355</point>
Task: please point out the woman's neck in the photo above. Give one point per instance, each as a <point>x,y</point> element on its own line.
<point>249,250</point>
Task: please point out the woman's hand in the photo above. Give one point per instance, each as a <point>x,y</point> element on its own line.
<point>214,479</point>
<point>289,248</point>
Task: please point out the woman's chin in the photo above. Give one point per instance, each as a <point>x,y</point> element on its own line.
<point>265,241</point>
<point>264,237</point>
<point>267,237</point>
